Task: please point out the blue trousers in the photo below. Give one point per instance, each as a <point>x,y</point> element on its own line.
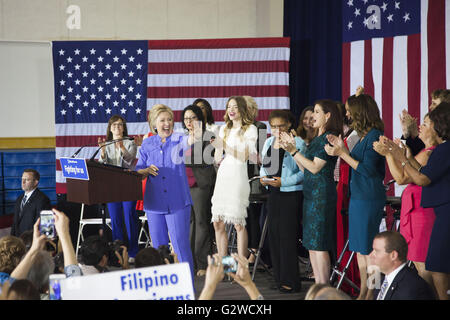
<point>118,212</point>
<point>176,225</point>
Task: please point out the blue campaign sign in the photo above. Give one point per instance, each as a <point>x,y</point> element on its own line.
<point>74,168</point>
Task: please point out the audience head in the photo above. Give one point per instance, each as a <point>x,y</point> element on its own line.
<point>252,106</point>
<point>440,117</point>
<point>190,114</point>
<point>23,289</point>
<point>330,293</point>
<point>427,133</point>
<point>438,96</point>
<point>280,121</point>
<point>389,251</point>
<point>148,257</point>
<point>94,251</point>
<point>206,109</point>
<point>305,123</point>
<point>314,289</point>
<point>161,120</point>
<point>326,116</point>
<point>364,114</point>
<point>27,238</point>
<point>12,249</point>
<point>30,179</point>
<point>43,266</point>
<point>117,127</point>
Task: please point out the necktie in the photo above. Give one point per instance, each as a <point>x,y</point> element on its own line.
<point>24,200</point>
<point>383,289</point>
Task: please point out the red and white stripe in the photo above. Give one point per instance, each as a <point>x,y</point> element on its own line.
<point>180,71</point>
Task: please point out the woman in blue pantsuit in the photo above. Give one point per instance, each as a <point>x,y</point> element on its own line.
<point>367,193</point>
<point>167,200</point>
<point>122,154</point>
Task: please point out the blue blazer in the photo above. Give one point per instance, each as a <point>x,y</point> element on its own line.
<point>291,175</point>
<point>169,190</point>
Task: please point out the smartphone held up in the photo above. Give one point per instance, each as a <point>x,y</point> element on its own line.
<point>47,224</point>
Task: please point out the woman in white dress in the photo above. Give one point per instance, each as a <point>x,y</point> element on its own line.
<point>237,137</point>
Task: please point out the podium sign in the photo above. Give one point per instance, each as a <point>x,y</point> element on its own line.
<point>74,168</point>
<point>164,282</point>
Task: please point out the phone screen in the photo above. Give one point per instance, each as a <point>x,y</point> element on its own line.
<point>47,224</point>
<point>55,286</point>
<point>229,264</point>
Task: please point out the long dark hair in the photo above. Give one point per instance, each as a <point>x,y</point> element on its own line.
<point>114,118</point>
<point>334,123</point>
<point>441,120</point>
<point>365,114</point>
<point>208,108</point>
<point>301,130</point>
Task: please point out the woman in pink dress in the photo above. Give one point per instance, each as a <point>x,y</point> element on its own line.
<point>416,223</point>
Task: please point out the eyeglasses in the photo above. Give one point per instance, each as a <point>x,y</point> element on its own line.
<point>190,119</point>
<point>281,126</point>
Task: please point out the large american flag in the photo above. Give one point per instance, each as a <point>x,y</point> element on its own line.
<point>97,79</point>
<point>397,51</point>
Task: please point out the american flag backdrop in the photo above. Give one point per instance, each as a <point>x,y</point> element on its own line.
<point>96,79</point>
<point>396,49</point>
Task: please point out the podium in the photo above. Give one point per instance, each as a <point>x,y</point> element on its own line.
<point>106,183</point>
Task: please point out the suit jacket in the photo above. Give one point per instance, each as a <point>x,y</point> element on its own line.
<point>30,213</point>
<point>204,173</point>
<point>407,285</point>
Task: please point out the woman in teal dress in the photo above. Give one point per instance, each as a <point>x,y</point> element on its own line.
<point>367,193</point>
<point>319,189</point>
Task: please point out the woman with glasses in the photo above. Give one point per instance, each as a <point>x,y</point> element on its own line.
<point>122,154</point>
<point>284,180</point>
<point>201,177</point>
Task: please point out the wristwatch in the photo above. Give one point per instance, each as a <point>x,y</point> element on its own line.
<point>293,154</point>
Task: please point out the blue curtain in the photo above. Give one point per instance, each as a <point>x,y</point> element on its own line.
<point>315,28</point>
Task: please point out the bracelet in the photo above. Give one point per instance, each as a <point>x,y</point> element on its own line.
<point>293,154</point>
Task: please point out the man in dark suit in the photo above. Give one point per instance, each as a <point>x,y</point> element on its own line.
<point>399,281</point>
<point>29,205</point>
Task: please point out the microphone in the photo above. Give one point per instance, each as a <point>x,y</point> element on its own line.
<point>108,143</point>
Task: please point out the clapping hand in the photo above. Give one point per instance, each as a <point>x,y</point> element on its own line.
<point>101,143</point>
<point>380,147</point>
<point>287,142</point>
<point>336,146</point>
<point>408,124</point>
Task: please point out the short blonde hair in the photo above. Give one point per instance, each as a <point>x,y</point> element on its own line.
<point>154,113</point>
